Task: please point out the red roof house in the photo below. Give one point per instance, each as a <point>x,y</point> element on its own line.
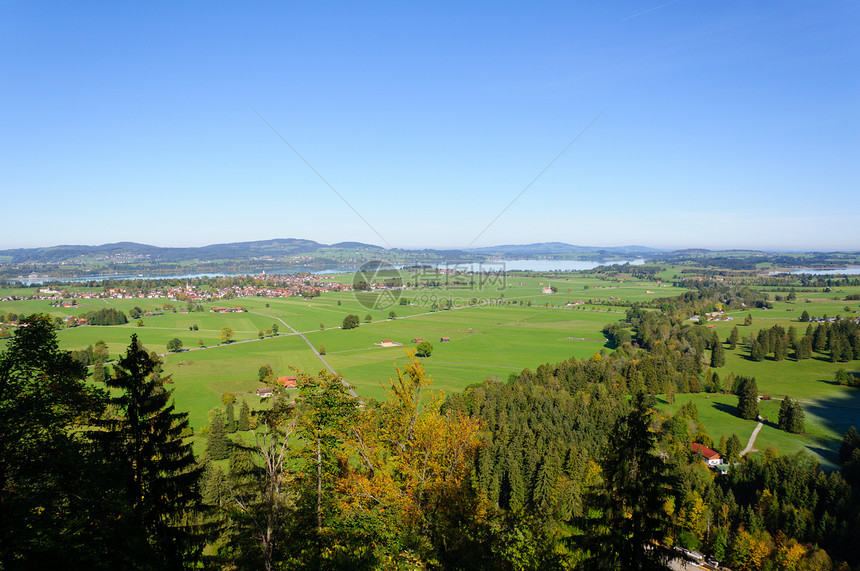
<point>711,457</point>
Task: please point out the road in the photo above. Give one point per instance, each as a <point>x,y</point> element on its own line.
<point>314,349</point>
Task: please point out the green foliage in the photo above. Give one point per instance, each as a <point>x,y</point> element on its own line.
<point>626,521</point>
<point>244,422</point>
<point>174,345</point>
<point>105,316</point>
<point>229,419</point>
<point>143,439</point>
<point>791,416</point>
<point>217,442</point>
<point>226,334</point>
<point>718,355</point>
<point>350,322</point>
<point>747,398</point>
<point>424,349</point>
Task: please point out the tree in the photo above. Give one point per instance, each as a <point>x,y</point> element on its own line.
<point>424,349</point>
<point>392,314</point>
<point>350,322</point>
<point>625,519</point>
<point>226,334</point>
<point>44,398</point>
<point>718,356</point>
<point>265,373</point>
<point>734,337</point>
<point>321,350</point>
<point>747,398</point>
<point>244,417</point>
<point>804,317</point>
<point>757,351</point>
<point>143,440</point>
<point>791,416</point>
<point>275,329</point>
<point>229,418</point>
<point>260,486</point>
<point>733,448</point>
<point>174,345</point>
<point>748,319</point>
<point>217,443</point>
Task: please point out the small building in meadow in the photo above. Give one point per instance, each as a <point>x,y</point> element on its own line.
<point>289,382</point>
<point>444,339</point>
<point>711,457</point>
<point>264,392</point>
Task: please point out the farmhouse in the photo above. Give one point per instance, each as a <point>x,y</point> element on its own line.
<point>289,382</point>
<point>264,392</point>
<point>711,457</point>
<point>388,343</point>
<point>444,339</point>
<point>547,289</point>
<point>418,340</point>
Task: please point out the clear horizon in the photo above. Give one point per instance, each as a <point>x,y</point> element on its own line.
<point>432,126</point>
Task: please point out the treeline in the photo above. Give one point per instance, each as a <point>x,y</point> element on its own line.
<point>841,339</point>
<point>105,316</point>
<point>571,477</point>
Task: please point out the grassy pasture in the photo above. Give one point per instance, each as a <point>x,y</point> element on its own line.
<point>500,335</point>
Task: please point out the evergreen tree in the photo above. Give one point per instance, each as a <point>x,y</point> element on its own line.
<point>780,347</point>
<point>733,448</point>
<point>217,443</point>
<point>850,443</point>
<point>804,317</point>
<point>244,417</point>
<point>143,440</point>
<point>718,356</point>
<point>734,337</point>
<point>624,522</point>
<point>748,398</point>
<point>229,419</point>
<point>784,414</point>
<point>757,351</point>
<point>44,456</point>
<point>748,319</point>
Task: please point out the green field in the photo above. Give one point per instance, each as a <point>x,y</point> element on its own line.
<point>494,332</point>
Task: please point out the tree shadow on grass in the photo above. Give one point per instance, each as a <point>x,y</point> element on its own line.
<point>838,413</point>
<point>728,408</point>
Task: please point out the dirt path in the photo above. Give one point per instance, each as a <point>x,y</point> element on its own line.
<point>751,442</point>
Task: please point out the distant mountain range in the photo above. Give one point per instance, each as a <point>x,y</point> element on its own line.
<point>286,247</point>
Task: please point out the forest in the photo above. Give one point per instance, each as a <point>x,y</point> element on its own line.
<point>569,466</point>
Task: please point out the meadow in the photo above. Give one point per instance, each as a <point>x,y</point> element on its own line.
<point>494,331</point>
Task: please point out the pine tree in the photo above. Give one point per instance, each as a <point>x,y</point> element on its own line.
<point>784,414</point>
<point>144,440</point>
<point>748,398</point>
<point>796,418</point>
<point>733,448</point>
<point>850,442</point>
<point>734,337</point>
<point>718,356</point>
<point>217,443</point>
<point>229,419</point>
<point>757,351</point>
<point>244,417</point>
<point>631,499</point>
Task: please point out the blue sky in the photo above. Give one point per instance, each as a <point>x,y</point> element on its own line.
<point>721,124</point>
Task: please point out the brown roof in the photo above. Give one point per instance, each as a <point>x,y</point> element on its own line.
<point>705,451</point>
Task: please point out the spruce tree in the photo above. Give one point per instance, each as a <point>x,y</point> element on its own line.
<point>748,398</point>
<point>734,337</point>
<point>757,351</point>
<point>784,414</point>
<point>636,483</point>
<point>244,417</point>
<point>144,442</point>
<point>217,443</point>
<point>718,356</point>
<point>229,419</point>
